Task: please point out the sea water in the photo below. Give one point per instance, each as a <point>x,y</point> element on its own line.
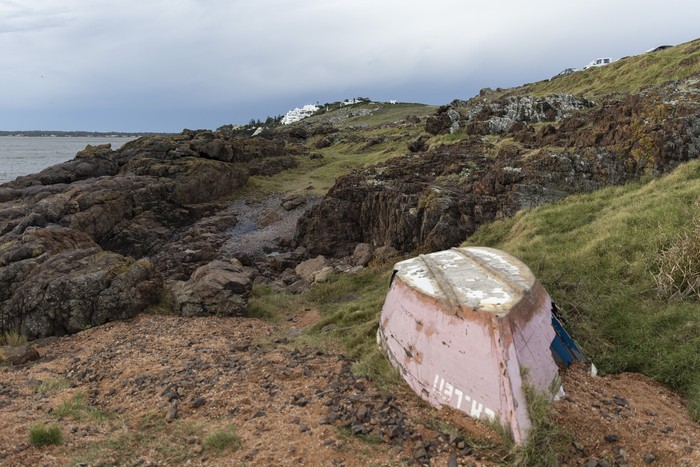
<point>24,155</point>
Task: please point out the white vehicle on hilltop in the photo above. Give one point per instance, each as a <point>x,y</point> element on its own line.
<point>598,62</point>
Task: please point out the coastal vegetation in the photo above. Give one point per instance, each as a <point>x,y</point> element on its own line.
<point>616,262</point>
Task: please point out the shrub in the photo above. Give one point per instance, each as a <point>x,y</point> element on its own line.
<point>43,435</point>
<point>678,275</point>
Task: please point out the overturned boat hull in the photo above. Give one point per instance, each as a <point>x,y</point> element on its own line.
<point>469,328</point>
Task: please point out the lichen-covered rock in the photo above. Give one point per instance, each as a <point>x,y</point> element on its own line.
<point>362,254</point>
<point>497,117</point>
<point>219,288</point>
<point>57,281</point>
<point>445,120</point>
<point>434,200</point>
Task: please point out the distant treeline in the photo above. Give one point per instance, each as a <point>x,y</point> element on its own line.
<point>79,133</point>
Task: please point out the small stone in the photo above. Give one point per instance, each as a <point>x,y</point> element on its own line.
<point>251,454</point>
<point>603,463</point>
<point>198,402</point>
<point>303,428</point>
<point>172,413</point>
<point>666,429</point>
<point>621,401</point>
<point>623,454</point>
<point>452,461</point>
<point>420,454</point>
<point>361,413</point>
<point>579,446</point>
<point>612,438</point>
<point>649,458</point>
<point>241,347</point>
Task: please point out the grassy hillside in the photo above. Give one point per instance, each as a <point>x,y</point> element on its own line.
<point>628,75</point>
<point>369,133</point>
<point>622,263</point>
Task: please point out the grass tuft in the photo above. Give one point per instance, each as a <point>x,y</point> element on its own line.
<point>350,305</point>
<point>224,439</point>
<point>545,439</point>
<point>43,435</point>
<point>12,338</point>
<point>79,409</point>
<point>51,385</point>
<point>265,303</point>
<point>677,274</point>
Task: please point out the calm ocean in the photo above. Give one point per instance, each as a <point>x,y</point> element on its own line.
<point>23,155</point>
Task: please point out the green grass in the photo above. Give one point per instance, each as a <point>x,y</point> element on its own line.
<point>545,439</point>
<point>387,113</point>
<point>223,439</point>
<point>629,75</point>
<point>598,256</point>
<point>317,176</point>
<point>350,151</point>
<point>78,409</point>
<point>44,435</point>
<point>265,303</point>
<point>166,443</point>
<point>51,385</point>
<point>350,305</point>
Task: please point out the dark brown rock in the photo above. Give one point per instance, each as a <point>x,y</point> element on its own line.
<point>219,288</point>
<point>19,355</point>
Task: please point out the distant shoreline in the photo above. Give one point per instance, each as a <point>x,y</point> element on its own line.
<point>81,134</point>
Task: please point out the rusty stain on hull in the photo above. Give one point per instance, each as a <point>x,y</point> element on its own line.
<point>473,319</point>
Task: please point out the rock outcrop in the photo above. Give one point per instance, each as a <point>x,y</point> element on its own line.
<point>56,281</point>
<point>434,200</point>
<point>90,240</point>
<point>219,288</point>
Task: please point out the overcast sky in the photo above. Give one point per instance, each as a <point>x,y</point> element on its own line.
<point>165,65</point>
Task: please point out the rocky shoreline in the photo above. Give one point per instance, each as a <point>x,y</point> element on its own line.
<point>111,233</point>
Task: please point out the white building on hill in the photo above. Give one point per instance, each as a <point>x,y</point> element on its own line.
<point>299,113</point>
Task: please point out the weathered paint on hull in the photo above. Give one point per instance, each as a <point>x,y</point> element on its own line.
<point>469,355</point>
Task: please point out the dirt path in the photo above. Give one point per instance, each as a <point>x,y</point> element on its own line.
<point>155,391</point>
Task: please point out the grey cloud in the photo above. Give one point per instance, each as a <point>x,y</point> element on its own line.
<point>154,56</point>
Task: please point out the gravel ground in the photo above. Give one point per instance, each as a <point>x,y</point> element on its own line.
<point>157,387</point>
